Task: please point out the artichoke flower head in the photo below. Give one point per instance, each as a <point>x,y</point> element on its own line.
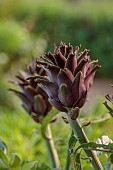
<point>34,99</point>
<point>69,77</point>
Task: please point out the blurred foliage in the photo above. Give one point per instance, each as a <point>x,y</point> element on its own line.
<point>79,22</point>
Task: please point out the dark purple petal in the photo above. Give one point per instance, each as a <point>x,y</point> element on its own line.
<point>65,96</point>
<point>80,67</point>
<point>84,56</point>
<point>39,70</point>
<point>50,88</point>
<point>71,62</point>
<point>52,72</point>
<point>46,59</point>
<point>77,50</point>
<point>32,83</point>
<point>65,77</point>
<point>39,104</point>
<point>41,62</point>
<point>88,67</point>
<point>69,49</point>
<point>50,57</point>
<point>89,78</point>
<point>60,59</point>
<point>21,79</point>
<point>29,92</point>
<point>25,101</point>
<point>78,87</point>
<point>62,48</point>
<point>36,78</point>
<point>57,105</point>
<point>82,100</point>
<point>31,68</point>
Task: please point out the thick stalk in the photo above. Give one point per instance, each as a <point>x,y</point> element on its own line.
<point>82,138</point>
<point>55,163</point>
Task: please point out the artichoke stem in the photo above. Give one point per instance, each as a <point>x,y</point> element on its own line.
<point>82,138</point>
<point>68,156</point>
<point>55,163</point>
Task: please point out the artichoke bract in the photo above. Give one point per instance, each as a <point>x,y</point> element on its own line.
<point>34,99</point>
<point>69,77</point>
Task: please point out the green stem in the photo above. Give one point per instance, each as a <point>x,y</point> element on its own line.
<point>68,156</point>
<point>55,163</point>
<point>82,138</point>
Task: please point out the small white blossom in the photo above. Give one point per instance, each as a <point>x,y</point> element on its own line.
<point>103,140</point>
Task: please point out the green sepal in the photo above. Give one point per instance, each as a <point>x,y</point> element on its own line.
<point>74,113</point>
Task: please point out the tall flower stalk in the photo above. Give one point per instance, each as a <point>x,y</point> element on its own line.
<point>51,149</point>
<point>69,77</point>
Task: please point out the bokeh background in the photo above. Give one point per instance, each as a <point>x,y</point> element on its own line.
<point>29,28</point>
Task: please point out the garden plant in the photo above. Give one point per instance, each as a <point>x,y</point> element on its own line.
<point>51,84</point>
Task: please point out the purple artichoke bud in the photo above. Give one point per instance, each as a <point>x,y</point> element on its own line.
<point>69,77</point>
<point>34,99</point>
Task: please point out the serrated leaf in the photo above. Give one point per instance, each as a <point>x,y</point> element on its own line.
<point>46,121</point>
<point>30,165</point>
<point>15,161</point>
<point>4,158</point>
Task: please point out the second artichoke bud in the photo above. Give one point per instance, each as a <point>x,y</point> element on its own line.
<point>34,99</point>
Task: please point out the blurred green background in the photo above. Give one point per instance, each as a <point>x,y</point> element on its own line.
<point>29,28</point>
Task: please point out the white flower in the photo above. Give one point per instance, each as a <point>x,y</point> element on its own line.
<point>103,140</point>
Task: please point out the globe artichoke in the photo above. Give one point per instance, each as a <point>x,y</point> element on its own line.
<point>69,77</point>
<point>34,99</point>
